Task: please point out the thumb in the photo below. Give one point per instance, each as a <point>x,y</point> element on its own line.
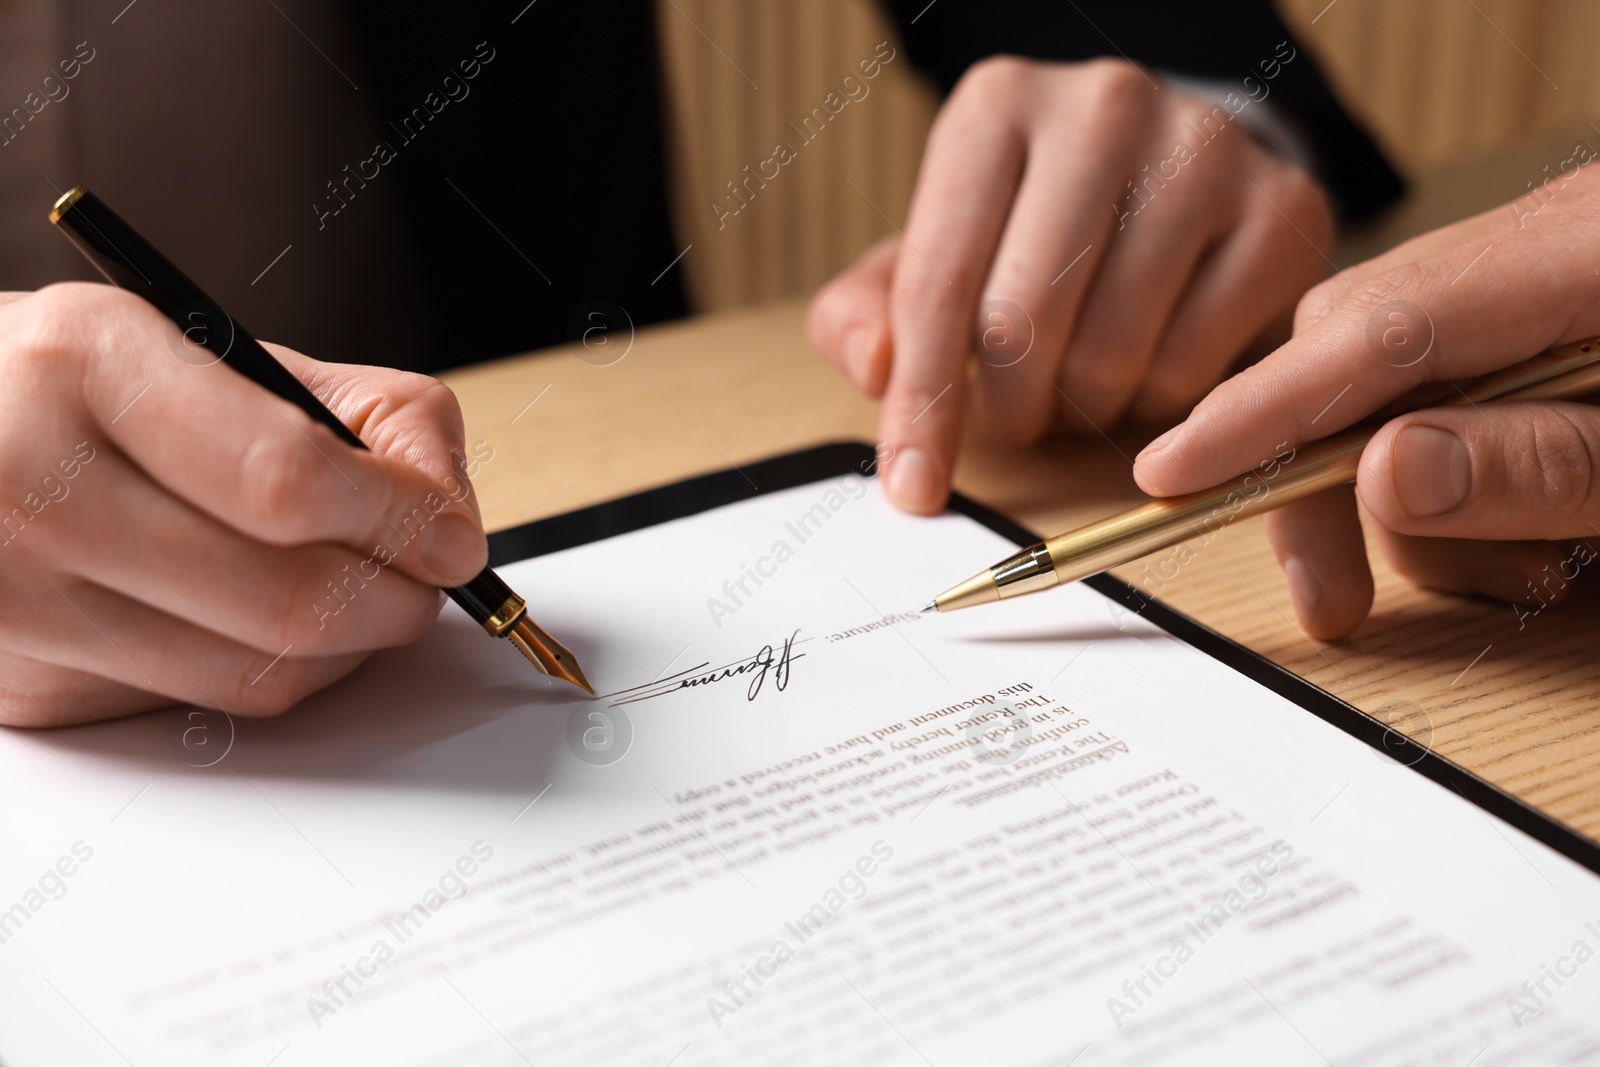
<point>1504,471</point>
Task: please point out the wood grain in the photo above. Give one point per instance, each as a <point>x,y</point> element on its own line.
<point>716,53</point>
<point>1438,80</point>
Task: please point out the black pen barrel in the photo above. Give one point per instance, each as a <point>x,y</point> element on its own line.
<point>130,262</point>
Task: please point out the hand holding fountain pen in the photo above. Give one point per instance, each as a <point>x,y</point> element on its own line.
<point>132,263</point>
<point>1566,372</point>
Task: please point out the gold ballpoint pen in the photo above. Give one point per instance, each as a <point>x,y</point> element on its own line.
<point>1566,372</point>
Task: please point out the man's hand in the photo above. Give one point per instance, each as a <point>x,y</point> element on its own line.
<point>171,532</point>
<point>1501,500</point>
<point>1132,240</point>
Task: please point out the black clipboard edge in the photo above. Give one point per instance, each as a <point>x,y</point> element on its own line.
<point>692,496</point>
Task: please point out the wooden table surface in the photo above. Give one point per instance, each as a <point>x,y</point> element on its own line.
<point>1518,704</point>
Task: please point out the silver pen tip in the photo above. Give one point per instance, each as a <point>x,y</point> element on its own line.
<point>931,609</point>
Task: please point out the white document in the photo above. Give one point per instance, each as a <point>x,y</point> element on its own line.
<point>805,827</point>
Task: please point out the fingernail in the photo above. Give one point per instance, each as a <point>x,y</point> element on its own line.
<point>860,345</point>
<point>1159,444</point>
<point>913,481</point>
<point>1304,589</point>
<point>450,544</point>
<point>1512,587</point>
<point>1432,471</point>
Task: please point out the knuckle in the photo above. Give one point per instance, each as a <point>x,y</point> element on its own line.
<point>1115,78</point>
<point>1096,372</point>
<point>437,400</point>
<point>274,476</point>
<point>1564,456</point>
<point>1190,113</point>
<point>1300,208</point>
<point>76,316</point>
<point>71,341</point>
<point>303,614</point>
<point>49,324</point>
<point>1317,301</point>
<point>1400,281</point>
<point>1297,191</point>
<point>265,688</point>
<point>442,410</point>
<point>994,81</point>
<point>919,293</point>
<point>404,409</point>
<point>1114,93</point>
<point>829,308</point>
<point>76,299</point>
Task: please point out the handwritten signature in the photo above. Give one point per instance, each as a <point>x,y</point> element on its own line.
<point>774,662</point>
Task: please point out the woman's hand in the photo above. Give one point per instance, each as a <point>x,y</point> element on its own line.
<point>171,532</point>
<point>1501,500</point>
<point>1131,240</point>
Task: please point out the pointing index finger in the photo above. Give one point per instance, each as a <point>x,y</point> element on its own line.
<point>968,176</point>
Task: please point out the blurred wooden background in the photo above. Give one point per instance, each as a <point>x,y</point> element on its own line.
<point>738,73</point>
<point>1440,82</point>
<point>1441,79</point>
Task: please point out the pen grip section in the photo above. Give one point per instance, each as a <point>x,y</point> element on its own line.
<point>490,602</point>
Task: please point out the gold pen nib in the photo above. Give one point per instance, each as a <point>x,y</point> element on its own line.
<point>546,653</point>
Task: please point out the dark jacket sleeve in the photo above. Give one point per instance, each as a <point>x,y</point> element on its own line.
<point>1227,42</point>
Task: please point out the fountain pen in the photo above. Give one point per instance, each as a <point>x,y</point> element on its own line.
<point>130,262</point>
